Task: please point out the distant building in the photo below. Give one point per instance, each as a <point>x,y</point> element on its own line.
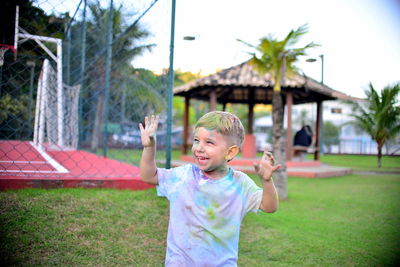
<point>351,139</point>
<point>262,132</point>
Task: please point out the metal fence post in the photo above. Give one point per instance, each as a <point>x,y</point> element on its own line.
<point>82,71</point>
<point>170,88</point>
<point>67,61</point>
<point>107,76</point>
<point>31,64</point>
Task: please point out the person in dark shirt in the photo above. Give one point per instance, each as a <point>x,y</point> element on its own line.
<point>303,138</point>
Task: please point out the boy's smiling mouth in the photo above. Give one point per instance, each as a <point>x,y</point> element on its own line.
<point>202,159</point>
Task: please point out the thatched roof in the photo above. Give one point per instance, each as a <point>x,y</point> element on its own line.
<point>242,84</point>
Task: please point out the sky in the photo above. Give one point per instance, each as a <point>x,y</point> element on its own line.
<point>360,39</point>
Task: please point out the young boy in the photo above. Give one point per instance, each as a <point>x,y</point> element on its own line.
<point>208,199</point>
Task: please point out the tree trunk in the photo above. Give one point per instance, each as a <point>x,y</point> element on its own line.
<point>98,122</point>
<point>97,132</point>
<point>380,155</point>
<point>279,145</point>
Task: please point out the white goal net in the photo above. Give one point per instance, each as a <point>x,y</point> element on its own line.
<point>57,108</point>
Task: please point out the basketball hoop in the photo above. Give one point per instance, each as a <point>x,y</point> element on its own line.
<point>3,50</point>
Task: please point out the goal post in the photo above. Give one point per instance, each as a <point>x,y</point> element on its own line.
<point>49,106</point>
<point>20,36</point>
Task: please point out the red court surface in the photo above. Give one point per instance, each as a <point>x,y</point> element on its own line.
<point>23,165</point>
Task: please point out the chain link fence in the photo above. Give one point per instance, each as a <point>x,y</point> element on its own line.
<point>73,84</point>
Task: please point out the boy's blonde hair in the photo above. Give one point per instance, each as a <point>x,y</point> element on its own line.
<point>224,123</point>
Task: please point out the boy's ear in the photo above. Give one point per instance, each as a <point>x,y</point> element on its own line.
<point>232,152</point>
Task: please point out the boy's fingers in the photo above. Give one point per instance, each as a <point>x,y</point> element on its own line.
<point>272,161</point>
<point>256,166</point>
<point>264,156</point>
<point>269,154</point>
<point>152,122</point>
<point>153,128</point>
<point>276,167</point>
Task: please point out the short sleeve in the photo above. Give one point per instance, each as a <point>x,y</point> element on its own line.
<point>170,180</point>
<point>253,195</point>
<point>163,175</point>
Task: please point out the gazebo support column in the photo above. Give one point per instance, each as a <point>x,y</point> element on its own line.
<point>318,130</point>
<point>250,119</point>
<point>186,126</point>
<point>213,101</point>
<point>249,145</point>
<point>289,147</point>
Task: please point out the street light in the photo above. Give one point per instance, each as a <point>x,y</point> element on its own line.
<point>189,38</point>
<point>322,65</point>
<point>321,127</point>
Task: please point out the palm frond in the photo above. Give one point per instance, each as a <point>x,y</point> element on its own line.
<point>273,53</point>
<point>294,35</point>
<point>259,65</point>
<point>248,44</point>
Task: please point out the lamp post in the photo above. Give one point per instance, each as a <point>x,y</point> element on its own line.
<point>321,126</point>
<point>322,65</point>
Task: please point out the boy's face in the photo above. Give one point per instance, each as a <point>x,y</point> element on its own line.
<point>211,151</point>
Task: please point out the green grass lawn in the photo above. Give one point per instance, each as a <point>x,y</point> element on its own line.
<point>362,162</point>
<point>345,221</point>
<point>132,156</point>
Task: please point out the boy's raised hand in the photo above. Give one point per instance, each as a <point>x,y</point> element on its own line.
<point>148,132</point>
<point>265,167</point>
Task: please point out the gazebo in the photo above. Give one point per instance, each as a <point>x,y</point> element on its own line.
<point>242,84</point>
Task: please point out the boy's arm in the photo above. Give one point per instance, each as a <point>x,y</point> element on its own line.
<point>148,167</point>
<point>264,170</point>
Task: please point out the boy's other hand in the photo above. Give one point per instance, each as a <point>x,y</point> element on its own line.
<point>148,132</point>
<point>265,167</point>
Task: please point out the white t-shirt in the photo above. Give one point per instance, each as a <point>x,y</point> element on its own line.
<point>205,215</point>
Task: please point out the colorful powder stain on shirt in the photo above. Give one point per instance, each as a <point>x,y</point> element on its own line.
<point>205,215</point>
<point>211,214</point>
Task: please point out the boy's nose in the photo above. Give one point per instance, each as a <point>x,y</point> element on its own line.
<point>199,148</point>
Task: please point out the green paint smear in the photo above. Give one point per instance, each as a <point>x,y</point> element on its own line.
<point>211,214</point>
<point>224,123</point>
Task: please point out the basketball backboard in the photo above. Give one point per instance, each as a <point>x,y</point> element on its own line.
<point>7,22</point>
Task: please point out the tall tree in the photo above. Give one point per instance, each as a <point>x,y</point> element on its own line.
<point>277,57</point>
<point>380,115</point>
<point>142,94</point>
<point>125,47</point>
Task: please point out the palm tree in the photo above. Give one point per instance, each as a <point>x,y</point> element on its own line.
<point>277,57</point>
<point>125,47</point>
<point>380,116</point>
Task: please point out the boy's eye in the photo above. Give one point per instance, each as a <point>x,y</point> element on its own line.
<point>195,140</point>
<point>210,142</point>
